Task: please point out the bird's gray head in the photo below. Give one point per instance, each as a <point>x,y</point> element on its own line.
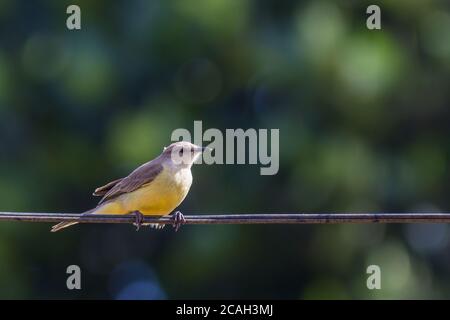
<point>182,154</point>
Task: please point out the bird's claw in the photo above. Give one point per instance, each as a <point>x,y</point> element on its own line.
<point>178,220</point>
<point>139,218</point>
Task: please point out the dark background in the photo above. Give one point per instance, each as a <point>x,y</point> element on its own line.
<point>364,126</point>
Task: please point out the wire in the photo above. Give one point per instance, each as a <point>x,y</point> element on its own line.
<point>271,218</point>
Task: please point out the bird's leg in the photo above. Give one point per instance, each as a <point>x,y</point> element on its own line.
<point>178,220</point>
<point>139,218</point>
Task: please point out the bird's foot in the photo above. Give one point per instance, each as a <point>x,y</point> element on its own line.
<point>178,220</point>
<point>139,218</point>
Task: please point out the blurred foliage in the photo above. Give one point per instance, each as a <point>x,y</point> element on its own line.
<point>364,125</point>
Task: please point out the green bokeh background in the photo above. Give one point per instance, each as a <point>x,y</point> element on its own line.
<point>364,126</point>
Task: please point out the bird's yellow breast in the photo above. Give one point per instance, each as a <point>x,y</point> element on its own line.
<point>159,197</point>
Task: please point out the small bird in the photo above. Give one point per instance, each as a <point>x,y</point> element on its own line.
<point>155,188</point>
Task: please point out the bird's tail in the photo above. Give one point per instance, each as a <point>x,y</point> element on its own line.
<point>66,224</point>
<point>62,225</point>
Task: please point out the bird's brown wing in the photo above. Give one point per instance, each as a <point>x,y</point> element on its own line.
<point>139,177</point>
<point>101,191</point>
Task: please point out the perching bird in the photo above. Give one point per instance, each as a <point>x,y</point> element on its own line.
<point>155,188</point>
